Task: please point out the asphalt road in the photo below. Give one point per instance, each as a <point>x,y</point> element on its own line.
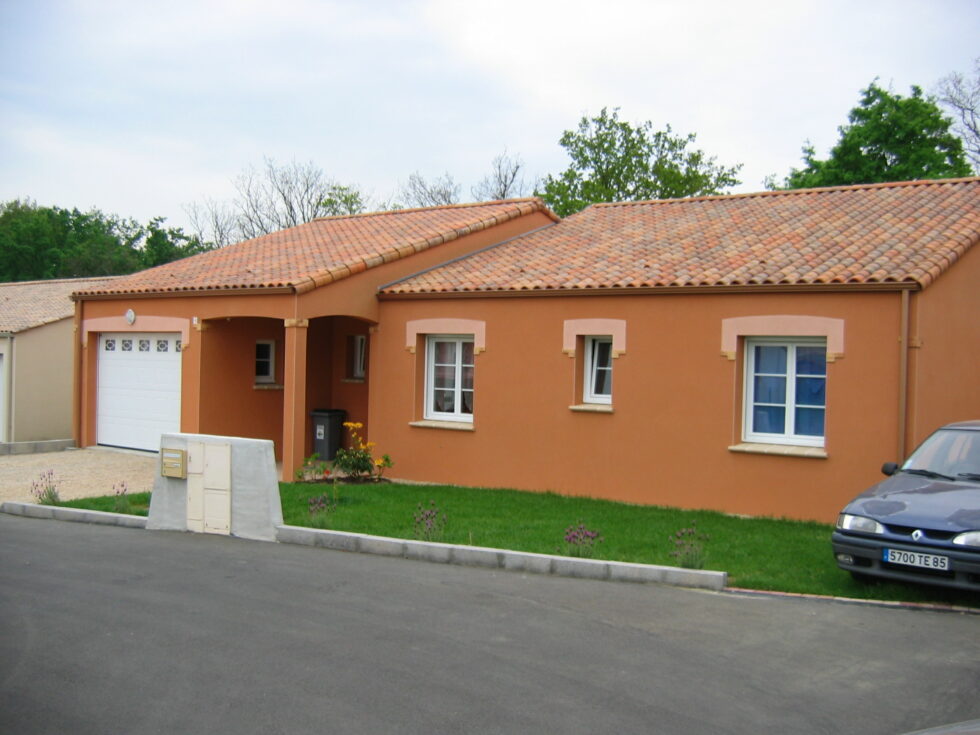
<point>111,630</point>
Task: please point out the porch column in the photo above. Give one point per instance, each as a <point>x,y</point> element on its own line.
<point>294,397</point>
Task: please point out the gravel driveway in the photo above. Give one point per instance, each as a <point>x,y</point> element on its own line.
<point>78,473</point>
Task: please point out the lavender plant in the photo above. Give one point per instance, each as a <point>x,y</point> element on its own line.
<point>429,522</point>
<point>321,506</point>
<point>45,489</point>
<point>689,547</point>
<point>121,502</point>
<point>581,541</point>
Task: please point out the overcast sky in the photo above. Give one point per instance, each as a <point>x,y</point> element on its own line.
<point>140,107</point>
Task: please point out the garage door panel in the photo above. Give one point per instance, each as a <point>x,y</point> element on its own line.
<point>138,389</point>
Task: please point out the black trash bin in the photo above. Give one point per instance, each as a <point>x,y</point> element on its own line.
<point>328,430</point>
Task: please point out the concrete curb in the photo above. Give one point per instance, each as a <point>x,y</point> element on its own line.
<point>76,515</point>
<point>472,556</point>
<point>516,561</point>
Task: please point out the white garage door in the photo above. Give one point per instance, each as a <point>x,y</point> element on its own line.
<point>139,388</point>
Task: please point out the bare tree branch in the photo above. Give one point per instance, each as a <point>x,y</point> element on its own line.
<point>505,180</point>
<point>213,222</point>
<point>274,198</point>
<point>961,95</point>
<point>440,191</point>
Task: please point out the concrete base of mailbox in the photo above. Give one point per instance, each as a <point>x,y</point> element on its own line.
<point>244,470</point>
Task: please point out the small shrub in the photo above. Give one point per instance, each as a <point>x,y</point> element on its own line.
<point>689,547</point>
<point>120,503</point>
<point>321,506</point>
<point>429,522</point>
<point>45,489</point>
<point>313,469</point>
<point>581,540</point>
<point>357,462</point>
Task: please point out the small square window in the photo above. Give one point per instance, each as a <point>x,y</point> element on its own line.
<point>110,345</point>
<point>144,345</point>
<point>163,345</point>
<point>127,345</point>
<point>265,361</point>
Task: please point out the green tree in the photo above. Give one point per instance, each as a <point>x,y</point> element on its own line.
<point>166,245</point>
<point>30,241</point>
<point>613,161</point>
<point>888,138</point>
<point>38,243</point>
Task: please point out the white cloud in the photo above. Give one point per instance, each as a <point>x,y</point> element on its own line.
<point>138,108</point>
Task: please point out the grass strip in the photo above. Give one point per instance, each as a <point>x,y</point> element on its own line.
<point>758,553</point>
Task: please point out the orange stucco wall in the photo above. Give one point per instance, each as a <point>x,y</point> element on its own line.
<point>676,403</point>
<point>232,403</point>
<point>946,349</point>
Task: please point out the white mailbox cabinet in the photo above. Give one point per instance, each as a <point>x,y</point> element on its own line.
<point>230,487</point>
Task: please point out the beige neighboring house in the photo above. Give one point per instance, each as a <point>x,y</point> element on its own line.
<point>36,363</point>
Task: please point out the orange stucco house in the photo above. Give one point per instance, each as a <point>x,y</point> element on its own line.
<point>247,340</point>
<point>757,354</point>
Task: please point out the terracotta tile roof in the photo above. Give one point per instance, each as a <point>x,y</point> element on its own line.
<point>324,250</point>
<point>873,234</point>
<point>27,304</point>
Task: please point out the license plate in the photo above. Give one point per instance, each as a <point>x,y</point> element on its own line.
<point>915,559</point>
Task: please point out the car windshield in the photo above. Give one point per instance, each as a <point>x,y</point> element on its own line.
<point>951,452</point>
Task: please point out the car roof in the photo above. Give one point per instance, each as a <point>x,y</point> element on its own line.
<point>971,425</point>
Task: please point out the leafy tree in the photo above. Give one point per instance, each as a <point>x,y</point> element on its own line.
<point>961,96</point>
<point>166,245</point>
<point>38,243</point>
<point>888,138</point>
<point>613,161</point>
<point>30,241</point>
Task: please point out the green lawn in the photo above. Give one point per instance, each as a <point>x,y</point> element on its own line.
<point>757,553</point>
<point>138,504</point>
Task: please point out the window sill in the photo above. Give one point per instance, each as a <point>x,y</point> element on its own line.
<point>267,386</point>
<point>352,380</point>
<point>450,425</point>
<point>782,450</point>
<point>592,408</point>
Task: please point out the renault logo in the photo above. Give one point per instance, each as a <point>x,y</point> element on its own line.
<point>917,535</point>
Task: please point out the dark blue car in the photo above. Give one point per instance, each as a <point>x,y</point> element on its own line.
<point>921,524</point>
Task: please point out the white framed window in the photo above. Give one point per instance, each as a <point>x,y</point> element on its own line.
<point>265,361</point>
<point>785,391</point>
<point>358,353</point>
<point>597,380</point>
<point>449,377</point>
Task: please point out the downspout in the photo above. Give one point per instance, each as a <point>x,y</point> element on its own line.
<point>903,375</point>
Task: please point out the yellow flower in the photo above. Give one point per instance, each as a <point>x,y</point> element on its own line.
<point>378,462</point>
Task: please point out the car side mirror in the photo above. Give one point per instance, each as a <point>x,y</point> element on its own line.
<point>889,468</point>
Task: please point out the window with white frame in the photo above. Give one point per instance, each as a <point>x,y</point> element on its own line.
<point>597,381</point>
<point>358,351</point>
<point>265,361</point>
<point>449,377</point>
<point>785,391</point>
